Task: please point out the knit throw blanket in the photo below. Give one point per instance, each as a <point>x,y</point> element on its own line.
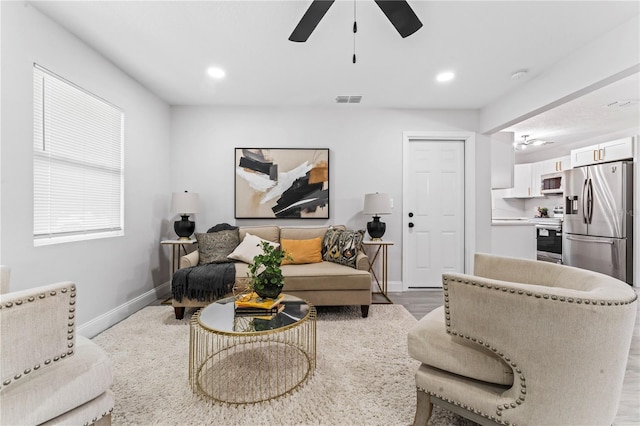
<point>204,283</point>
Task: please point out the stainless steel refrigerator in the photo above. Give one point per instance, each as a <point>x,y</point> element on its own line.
<point>598,221</point>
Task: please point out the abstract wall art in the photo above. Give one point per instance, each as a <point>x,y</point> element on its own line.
<point>281,183</point>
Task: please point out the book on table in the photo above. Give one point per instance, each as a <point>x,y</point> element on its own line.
<point>252,304</point>
<point>260,313</point>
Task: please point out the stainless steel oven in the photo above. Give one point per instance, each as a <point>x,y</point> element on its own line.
<point>549,239</point>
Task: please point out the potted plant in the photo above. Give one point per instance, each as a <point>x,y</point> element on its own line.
<point>265,273</point>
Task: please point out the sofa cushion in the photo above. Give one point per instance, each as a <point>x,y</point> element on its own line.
<point>341,246</point>
<point>249,248</point>
<point>216,246</point>
<point>429,343</point>
<point>59,387</point>
<point>324,276</point>
<point>269,233</point>
<point>299,252</point>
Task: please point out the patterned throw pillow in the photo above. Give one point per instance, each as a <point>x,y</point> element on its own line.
<point>340,246</point>
<point>214,247</point>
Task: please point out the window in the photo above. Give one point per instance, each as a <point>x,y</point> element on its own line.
<point>77,163</point>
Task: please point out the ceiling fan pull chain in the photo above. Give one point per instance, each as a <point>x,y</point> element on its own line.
<point>355,30</point>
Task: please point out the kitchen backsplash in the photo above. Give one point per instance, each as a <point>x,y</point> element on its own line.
<point>550,201</point>
<point>518,207</point>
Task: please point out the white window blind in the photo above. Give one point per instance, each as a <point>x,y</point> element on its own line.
<point>77,163</point>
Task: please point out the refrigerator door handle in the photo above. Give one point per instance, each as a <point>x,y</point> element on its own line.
<point>588,240</point>
<point>584,201</point>
<point>590,201</point>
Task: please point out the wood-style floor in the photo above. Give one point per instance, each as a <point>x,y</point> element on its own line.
<point>421,302</point>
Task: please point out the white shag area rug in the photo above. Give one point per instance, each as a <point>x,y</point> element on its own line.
<point>363,376</point>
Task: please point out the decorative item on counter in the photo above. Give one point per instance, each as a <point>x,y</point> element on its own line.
<point>543,212</point>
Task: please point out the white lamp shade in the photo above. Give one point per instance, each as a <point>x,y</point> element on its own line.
<point>185,202</point>
<point>377,204</point>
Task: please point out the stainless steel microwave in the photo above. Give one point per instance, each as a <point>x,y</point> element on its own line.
<point>552,183</point>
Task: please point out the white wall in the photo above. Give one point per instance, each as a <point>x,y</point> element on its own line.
<point>113,275</point>
<point>365,156</point>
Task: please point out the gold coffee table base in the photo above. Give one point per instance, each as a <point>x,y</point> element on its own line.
<point>251,366</point>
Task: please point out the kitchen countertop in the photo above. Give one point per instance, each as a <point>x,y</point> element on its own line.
<point>511,221</point>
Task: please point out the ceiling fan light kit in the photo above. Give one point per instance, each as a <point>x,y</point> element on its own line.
<point>526,142</point>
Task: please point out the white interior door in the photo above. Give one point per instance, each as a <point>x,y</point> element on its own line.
<point>433,211</point>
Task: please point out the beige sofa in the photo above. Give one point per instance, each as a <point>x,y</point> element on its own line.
<point>322,284</point>
<point>525,342</point>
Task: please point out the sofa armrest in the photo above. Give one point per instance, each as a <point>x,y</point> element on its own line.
<point>189,260</point>
<point>38,329</point>
<point>362,261</point>
<point>544,333</point>
<point>5,274</point>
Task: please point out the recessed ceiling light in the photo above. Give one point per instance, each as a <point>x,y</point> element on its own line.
<point>445,76</point>
<point>215,72</point>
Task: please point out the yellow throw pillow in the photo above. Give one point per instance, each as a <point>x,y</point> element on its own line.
<point>302,251</point>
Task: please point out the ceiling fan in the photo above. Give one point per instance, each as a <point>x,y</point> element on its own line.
<point>519,146</point>
<point>399,13</point>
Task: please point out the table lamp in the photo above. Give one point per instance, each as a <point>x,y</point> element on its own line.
<point>376,204</point>
<point>184,203</point>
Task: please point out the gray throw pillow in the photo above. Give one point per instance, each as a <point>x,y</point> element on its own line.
<point>214,247</point>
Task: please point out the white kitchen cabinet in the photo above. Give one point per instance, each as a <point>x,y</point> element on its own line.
<point>537,170</point>
<point>554,165</point>
<point>547,166</point>
<point>514,240</point>
<point>563,163</point>
<point>619,149</point>
<point>522,182</point>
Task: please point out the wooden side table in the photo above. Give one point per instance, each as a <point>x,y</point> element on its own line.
<point>381,248</point>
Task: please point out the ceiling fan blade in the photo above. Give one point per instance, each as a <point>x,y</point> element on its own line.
<point>401,16</point>
<point>310,20</point>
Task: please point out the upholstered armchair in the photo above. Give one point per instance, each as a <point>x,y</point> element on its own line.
<point>50,375</point>
<point>525,342</point>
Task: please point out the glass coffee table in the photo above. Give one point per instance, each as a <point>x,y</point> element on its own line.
<point>244,359</point>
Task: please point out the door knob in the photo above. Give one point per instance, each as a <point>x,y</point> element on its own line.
<point>411,225</point>
<point>410,214</point>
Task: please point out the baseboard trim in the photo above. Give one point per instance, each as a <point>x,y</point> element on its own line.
<point>392,286</point>
<point>395,286</point>
<point>114,316</point>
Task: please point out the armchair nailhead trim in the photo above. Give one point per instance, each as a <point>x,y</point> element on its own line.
<point>497,418</point>
<point>468,407</point>
<point>522,382</point>
<point>70,330</point>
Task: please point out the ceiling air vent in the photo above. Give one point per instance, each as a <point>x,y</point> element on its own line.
<point>348,99</point>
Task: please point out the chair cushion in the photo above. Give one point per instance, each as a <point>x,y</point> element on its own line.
<point>429,343</point>
<point>57,388</point>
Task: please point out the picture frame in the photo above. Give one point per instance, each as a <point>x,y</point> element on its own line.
<point>281,183</point>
